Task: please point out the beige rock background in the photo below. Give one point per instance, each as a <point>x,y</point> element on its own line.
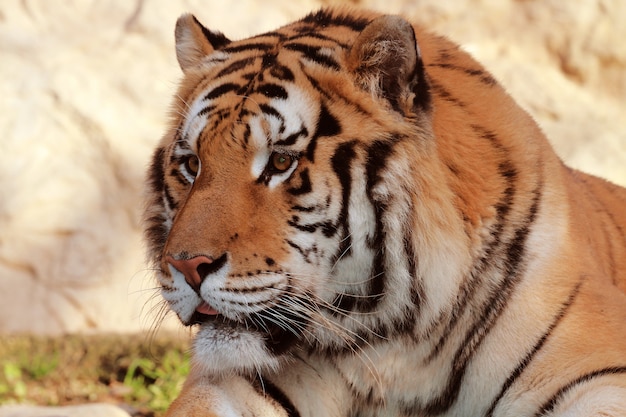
<point>85,87</point>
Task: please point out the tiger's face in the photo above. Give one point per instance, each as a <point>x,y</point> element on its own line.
<point>268,195</point>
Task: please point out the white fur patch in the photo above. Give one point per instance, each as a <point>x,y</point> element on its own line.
<point>279,178</point>
<point>598,400</point>
<point>298,111</point>
<point>181,297</point>
<point>194,124</point>
<point>265,130</point>
<point>223,351</point>
<point>260,141</point>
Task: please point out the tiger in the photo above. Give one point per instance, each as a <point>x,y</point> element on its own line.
<point>356,219</point>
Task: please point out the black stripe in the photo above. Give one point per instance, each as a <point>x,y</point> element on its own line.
<point>446,53</point>
<point>171,202</point>
<point>422,99</point>
<point>273,91</point>
<point>417,289</point>
<point>306,253</point>
<point>334,94</point>
<point>156,235</point>
<point>157,172</point>
<point>221,114</point>
<point>327,124</point>
<point>377,280</point>
<point>181,143</point>
<point>269,110</point>
<point>549,405</point>
<point>343,303</point>
<point>468,289</point>
<point>206,110</point>
<point>269,59</point>
<point>281,72</point>
<point>492,309</point>
<point>303,209</point>
<point>221,90</point>
<point>178,176</point>
<point>216,39</point>
<point>341,162</point>
<point>156,232</point>
<point>305,184</point>
<point>249,76</point>
<point>291,139</point>
<point>483,76</point>
<point>277,35</point>
<point>540,342</point>
<point>267,388</point>
<point>296,247</point>
<point>377,156</point>
<point>235,66</point>
<point>506,170</point>
<point>246,134</point>
<point>315,84</point>
<point>378,276</point>
<point>312,53</point>
<point>509,174</point>
<point>324,18</point>
<point>446,95</point>
<point>328,228</point>
<point>316,35</point>
<point>257,46</point>
<point>294,222</point>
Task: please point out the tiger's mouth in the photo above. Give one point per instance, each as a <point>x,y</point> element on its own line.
<point>204,313</point>
<point>279,334</point>
<point>198,318</point>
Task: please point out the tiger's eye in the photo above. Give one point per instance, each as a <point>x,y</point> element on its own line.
<point>192,164</point>
<point>281,162</point>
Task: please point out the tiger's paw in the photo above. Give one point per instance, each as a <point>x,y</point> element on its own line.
<point>232,397</point>
<point>200,401</point>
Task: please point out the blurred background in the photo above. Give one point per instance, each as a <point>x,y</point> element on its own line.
<point>85,87</point>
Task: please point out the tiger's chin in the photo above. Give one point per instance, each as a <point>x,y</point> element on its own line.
<point>225,347</point>
<point>224,350</point>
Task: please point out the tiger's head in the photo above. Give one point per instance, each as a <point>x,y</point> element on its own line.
<point>283,198</point>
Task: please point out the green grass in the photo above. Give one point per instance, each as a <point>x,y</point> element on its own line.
<point>144,373</point>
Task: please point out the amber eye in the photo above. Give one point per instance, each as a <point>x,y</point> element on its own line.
<point>192,164</point>
<point>281,162</point>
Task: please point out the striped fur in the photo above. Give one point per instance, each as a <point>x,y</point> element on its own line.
<point>361,222</point>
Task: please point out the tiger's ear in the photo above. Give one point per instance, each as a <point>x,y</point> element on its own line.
<point>194,41</point>
<point>386,61</point>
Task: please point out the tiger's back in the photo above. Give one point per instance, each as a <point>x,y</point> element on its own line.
<point>602,204</point>
<point>362,222</point>
<point>568,240</point>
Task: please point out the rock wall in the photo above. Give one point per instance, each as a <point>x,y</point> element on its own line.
<point>85,88</point>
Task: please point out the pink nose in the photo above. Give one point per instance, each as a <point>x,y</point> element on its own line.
<point>194,269</point>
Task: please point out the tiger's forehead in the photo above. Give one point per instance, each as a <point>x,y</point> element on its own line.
<point>251,100</point>
<point>268,90</point>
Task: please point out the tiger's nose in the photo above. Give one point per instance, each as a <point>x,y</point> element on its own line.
<point>195,269</point>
